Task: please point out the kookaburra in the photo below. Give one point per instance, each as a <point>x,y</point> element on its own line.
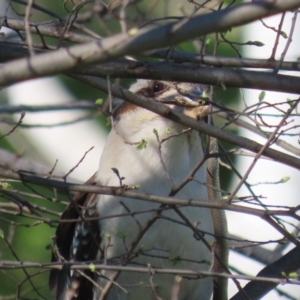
<point>156,155</point>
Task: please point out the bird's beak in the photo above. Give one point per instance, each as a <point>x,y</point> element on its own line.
<point>197,112</point>
<point>189,99</point>
<point>194,104</point>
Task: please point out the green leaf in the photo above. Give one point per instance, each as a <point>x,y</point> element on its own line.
<point>207,41</point>
<point>283,241</point>
<point>293,275</point>
<point>116,171</point>
<point>204,95</point>
<point>99,102</point>
<point>208,262</point>
<point>155,131</point>
<point>283,34</point>
<point>261,96</point>
<point>285,179</point>
<point>141,145</point>
<point>167,130</point>
<point>49,247</point>
<point>137,187</point>
<point>92,267</point>
<point>290,102</point>
<point>121,235</point>
<point>235,197</point>
<point>5,185</point>
<point>226,31</point>
<point>175,260</point>
<point>255,43</point>
<point>133,31</point>
<point>1,234</point>
<point>290,275</point>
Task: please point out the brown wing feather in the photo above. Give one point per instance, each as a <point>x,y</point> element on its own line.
<point>76,242</point>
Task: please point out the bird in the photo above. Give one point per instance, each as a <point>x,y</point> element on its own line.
<point>152,155</point>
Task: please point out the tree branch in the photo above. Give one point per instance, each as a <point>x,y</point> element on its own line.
<point>279,269</point>
<point>138,41</point>
<point>223,77</point>
<point>210,130</point>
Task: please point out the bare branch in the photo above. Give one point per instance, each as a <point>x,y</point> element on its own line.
<point>200,126</point>
<point>139,41</point>
<point>279,269</point>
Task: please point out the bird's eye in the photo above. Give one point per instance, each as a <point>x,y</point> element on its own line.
<point>157,87</point>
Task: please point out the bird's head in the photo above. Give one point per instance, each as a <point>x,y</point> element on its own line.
<point>134,122</point>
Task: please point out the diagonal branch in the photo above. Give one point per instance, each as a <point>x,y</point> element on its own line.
<point>210,130</point>
<point>279,269</point>
<point>139,40</point>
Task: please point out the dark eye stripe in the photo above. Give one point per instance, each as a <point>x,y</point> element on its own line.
<point>154,88</point>
<point>146,92</point>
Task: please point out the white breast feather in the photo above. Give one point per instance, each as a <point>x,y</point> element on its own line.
<point>144,168</point>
